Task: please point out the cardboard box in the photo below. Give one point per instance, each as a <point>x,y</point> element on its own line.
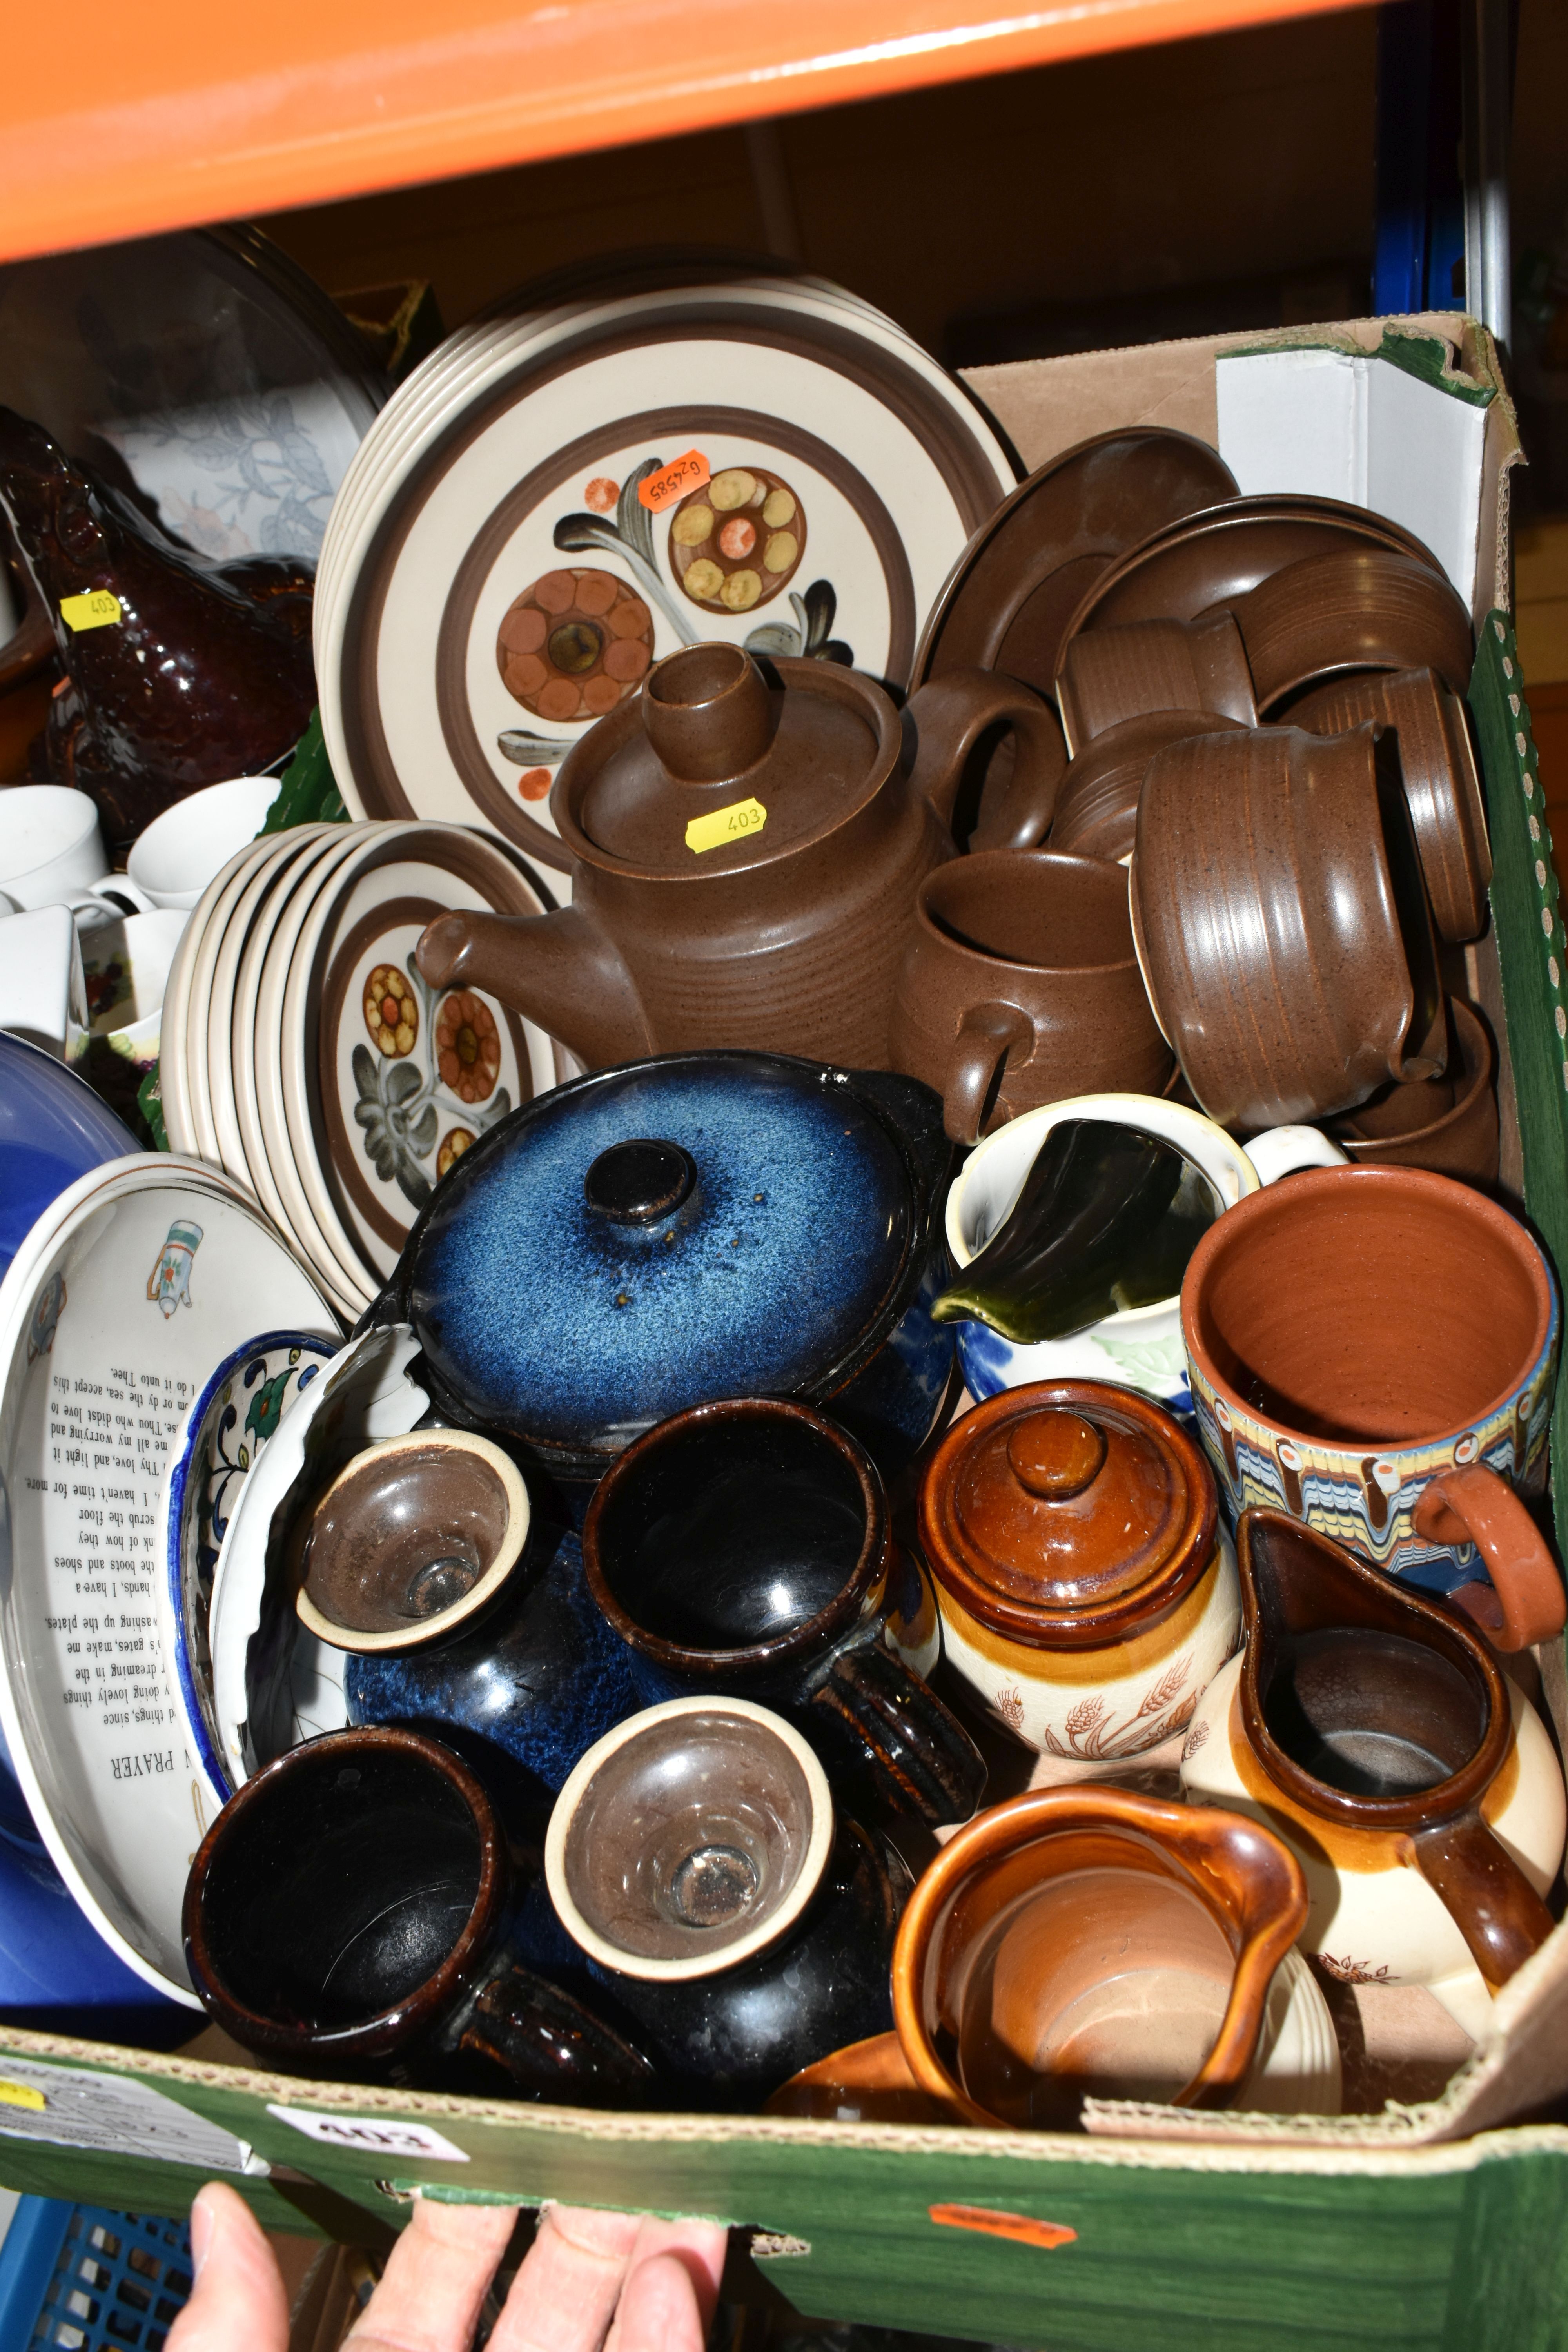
<point>1442,2224</point>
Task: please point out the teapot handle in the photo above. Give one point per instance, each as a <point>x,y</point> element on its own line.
<point>1525,1602</point>
<point>987,1036</point>
<point>919,1755</point>
<point>1491,1902</point>
<point>952,713</point>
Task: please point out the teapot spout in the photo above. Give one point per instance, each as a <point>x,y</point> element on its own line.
<point>559,970</point>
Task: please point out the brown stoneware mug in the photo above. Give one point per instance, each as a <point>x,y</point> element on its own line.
<point>1374,1732</point>
<point>1108,676</point>
<point>356,1909</point>
<point>1373,1348</point>
<point>1078,1942</point>
<point>1021,986</point>
<point>1447,1124</point>
<point>1437,764</point>
<point>1282,922</point>
<point>1360,608</point>
<point>745,1549</point>
<point>1096,806</point>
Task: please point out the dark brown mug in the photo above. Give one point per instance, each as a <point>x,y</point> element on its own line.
<point>1447,1124</point>
<point>1021,986</point>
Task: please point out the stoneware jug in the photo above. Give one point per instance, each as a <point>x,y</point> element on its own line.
<point>746,847</point>
<point>1372,1730</point>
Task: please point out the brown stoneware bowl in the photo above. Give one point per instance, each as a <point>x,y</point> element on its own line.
<point>1447,1124</point>
<point>1437,762</point>
<point>1021,986</point>
<point>1097,807</point>
<point>1210,559</point>
<point>1086,1941</point>
<point>1282,922</point>
<point>413,1537</point>
<point>1359,608</point>
<point>1007,598</point>
<point>1111,675</point>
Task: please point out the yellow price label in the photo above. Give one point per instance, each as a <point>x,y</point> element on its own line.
<point>99,609</point>
<point>720,826</point>
<point>22,2095</point>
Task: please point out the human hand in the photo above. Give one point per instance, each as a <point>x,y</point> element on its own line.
<point>591,2279</point>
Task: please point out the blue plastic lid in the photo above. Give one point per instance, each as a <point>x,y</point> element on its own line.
<point>697,1226</point>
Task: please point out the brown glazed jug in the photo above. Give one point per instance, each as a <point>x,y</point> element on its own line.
<point>1372,1730</point>
<point>746,847</point>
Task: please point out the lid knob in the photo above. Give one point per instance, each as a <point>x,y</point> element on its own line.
<point>707,713</point>
<point>638,1182</point>
<point>1056,1454</point>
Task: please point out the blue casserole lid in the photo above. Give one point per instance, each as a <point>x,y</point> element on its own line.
<point>699,1226</point>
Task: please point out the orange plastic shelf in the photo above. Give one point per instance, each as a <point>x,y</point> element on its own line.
<point>179,112</point>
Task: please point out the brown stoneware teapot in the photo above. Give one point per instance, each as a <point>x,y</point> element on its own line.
<point>746,847</point>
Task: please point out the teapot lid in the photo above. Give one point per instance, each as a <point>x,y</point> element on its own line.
<point>721,763</point>
<point>697,1225</point>
<point>1068,1513</point>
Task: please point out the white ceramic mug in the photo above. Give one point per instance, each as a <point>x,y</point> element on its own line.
<point>43,996</point>
<point>176,857</point>
<point>1138,1346</point>
<point>52,855</point>
<point>126,968</point>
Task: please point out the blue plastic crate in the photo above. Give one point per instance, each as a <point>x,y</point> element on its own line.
<point>86,2280</point>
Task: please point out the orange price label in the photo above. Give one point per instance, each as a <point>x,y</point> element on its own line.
<point>673,481</point>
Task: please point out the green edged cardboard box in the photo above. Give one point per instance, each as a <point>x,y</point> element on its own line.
<point>1436,2225</point>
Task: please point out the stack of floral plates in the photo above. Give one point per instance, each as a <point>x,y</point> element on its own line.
<point>133,1284</point>
<point>599,472</point>
<point>304,1051</point>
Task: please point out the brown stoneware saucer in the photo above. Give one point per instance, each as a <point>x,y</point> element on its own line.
<point>1097,807</point>
<point>1210,559</point>
<point>1020,986</point>
<point>1282,922</point>
<point>413,1537</point>
<point>1437,762</point>
<point>1415,1127</point>
<point>1006,601</point>
<point>1360,608</point>
<point>1108,676</point>
<point>1088,1941</point>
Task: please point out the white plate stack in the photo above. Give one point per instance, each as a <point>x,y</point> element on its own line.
<point>304,1054</point>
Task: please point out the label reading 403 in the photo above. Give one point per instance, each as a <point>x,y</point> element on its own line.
<point>741,819</point>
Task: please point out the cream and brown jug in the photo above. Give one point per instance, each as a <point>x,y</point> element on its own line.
<point>746,847</point>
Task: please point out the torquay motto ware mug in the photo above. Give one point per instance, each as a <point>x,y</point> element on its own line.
<point>1079,1942</point>
<point>746,1548</point>
<point>1141,1347</point>
<point>1087,1590</point>
<point>1373,1348</point>
<point>1373,1732</point>
<point>354,1909</point>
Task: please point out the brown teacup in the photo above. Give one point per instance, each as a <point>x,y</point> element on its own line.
<point>1108,676</point>
<point>1437,762</point>
<point>1447,1124</point>
<point>1282,922</point>
<point>1373,1349</point>
<point>1088,1941</point>
<point>1021,986</point>
<point>1097,807</point>
<point>1359,608</point>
